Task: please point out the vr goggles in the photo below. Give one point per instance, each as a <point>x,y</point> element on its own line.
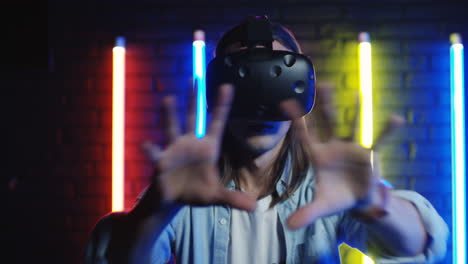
<point>262,77</point>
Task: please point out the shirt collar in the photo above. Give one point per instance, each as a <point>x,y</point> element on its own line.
<point>231,185</point>
<point>281,185</point>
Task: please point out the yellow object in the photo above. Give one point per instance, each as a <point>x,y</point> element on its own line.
<point>349,255</point>
<point>365,87</point>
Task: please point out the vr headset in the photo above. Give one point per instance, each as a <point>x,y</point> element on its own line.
<point>262,77</point>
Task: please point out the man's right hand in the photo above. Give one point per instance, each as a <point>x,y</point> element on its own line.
<point>186,171</point>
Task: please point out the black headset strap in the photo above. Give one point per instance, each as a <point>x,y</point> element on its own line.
<point>254,31</point>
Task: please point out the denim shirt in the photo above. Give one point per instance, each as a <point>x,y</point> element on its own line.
<point>200,235</point>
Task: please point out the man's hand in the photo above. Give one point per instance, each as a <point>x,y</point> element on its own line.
<point>186,170</point>
<point>344,173</point>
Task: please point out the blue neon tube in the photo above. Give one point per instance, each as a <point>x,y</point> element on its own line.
<point>458,150</point>
<point>199,78</point>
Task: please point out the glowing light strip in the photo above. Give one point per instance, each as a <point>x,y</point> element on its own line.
<point>118,124</point>
<point>199,79</point>
<point>365,84</point>
<point>365,89</point>
<point>366,260</point>
<point>458,150</point>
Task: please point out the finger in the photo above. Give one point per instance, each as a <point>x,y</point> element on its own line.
<point>237,199</point>
<point>221,111</point>
<point>325,108</point>
<point>172,126</point>
<point>306,215</point>
<point>152,151</point>
<point>192,112</point>
<point>394,122</point>
<point>294,111</point>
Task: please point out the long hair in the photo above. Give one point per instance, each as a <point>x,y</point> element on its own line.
<point>290,148</point>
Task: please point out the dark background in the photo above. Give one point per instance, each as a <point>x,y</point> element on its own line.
<point>56,97</point>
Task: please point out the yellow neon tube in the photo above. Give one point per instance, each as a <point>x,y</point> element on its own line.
<point>118,124</point>
<point>365,86</point>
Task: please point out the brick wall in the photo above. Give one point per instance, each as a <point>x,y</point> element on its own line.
<point>58,184</point>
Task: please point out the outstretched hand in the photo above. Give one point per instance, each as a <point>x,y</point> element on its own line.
<point>345,177</point>
<point>186,171</point>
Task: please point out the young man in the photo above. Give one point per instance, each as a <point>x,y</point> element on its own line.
<point>256,191</point>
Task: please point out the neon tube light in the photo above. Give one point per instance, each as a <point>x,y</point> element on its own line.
<point>199,71</point>
<point>458,150</point>
<point>365,86</point>
<point>365,94</point>
<point>118,124</point>
<point>367,260</point>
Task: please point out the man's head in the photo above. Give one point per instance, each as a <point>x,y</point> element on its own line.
<point>258,136</point>
<point>263,62</point>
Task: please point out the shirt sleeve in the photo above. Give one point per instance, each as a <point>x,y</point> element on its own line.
<point>355,234</point>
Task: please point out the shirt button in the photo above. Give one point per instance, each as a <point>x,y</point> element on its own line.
<point>222,221</point>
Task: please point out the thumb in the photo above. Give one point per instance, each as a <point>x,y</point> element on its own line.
<point>307,215</point>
